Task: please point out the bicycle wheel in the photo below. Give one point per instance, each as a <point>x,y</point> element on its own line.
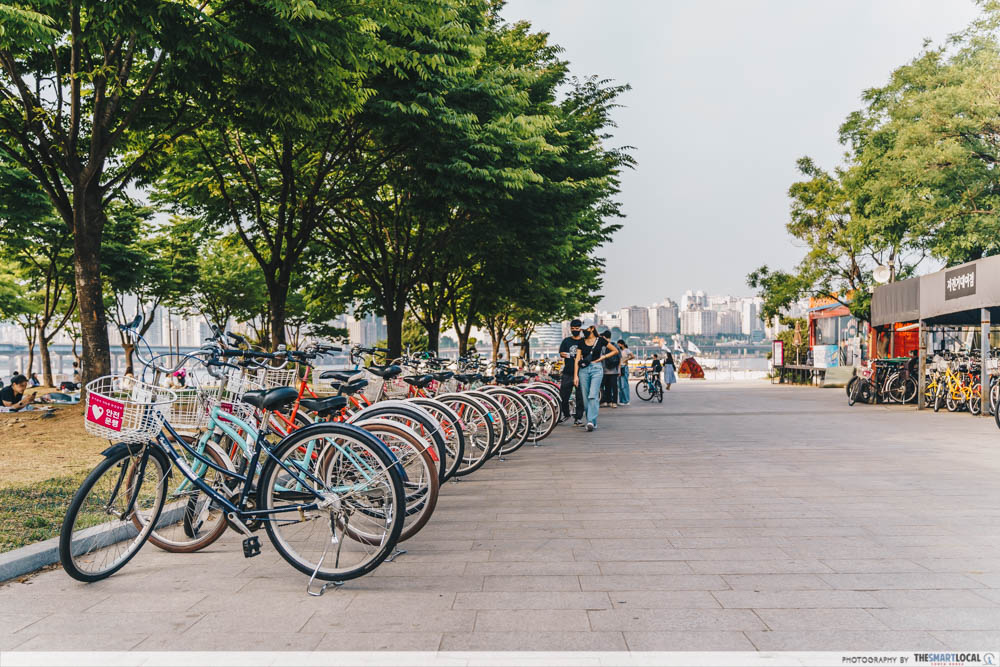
<point>361,501</point>
<point>190,519</point>
<point>98,537</point>
<point>952,403</point>
<point>894,388</point>
<point>416,418</point>
<point>939,398</point>
<point>477,427</point>
<point>850,385</point>
<point>910,391</point>
<point>420,483</point>
<point>518,414</point>
<point>994,396</point>
<point>855,392</point>
<point>497,416</point>
<point>450,429</point>
<point>659,392</point>
<point>544,413</point>
<point>643,390</point>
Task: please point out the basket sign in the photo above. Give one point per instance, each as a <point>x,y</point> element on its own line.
<point>105,412</point>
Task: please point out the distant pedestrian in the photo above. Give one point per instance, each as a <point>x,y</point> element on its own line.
<point>33,380</point>
<point>669,371</point>
<point>567,350</point>
<point>624,397</point>
<point>589,370</point>
<point>612,367</point>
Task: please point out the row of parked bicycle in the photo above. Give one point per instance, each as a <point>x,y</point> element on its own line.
<point>952,381</point>
<point>337,472</point>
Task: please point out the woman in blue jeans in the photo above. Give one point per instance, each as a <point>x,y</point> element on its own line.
<point>589,370</point>
<point>623,393</point>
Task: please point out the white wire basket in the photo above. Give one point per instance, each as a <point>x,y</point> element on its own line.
<point>230,398</point>
<point>269,378</point>
<point>124,409</point>
<point>192,409</point>
<point>374,387</point>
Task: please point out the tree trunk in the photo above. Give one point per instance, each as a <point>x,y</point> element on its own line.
<point>276,308</point>
<point>129,351</point>
<point>88,228</point>
<point>506,345</point>
<point>29,335</point>
<point>463,340</point>
<point>43,346</point>
<point>394,331</point>
<point>526,348</point>
<point>434,337</point>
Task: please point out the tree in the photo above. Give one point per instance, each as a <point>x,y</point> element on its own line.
<point>92,92</point>
<point>39,245</point>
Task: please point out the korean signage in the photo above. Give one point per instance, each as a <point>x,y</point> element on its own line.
<point>777,353</point>
<point>960,282</point>
<point>104,412</point>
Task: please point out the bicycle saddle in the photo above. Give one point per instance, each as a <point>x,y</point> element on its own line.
<point>385,372</point>
<point>465,378</point>
<point>343,376</point>
<point>418,380</point>
<point>324,406</point>
<point>271,399</point>
<point>531,374</point>
<point>443,376</point>
<point>350,387</point>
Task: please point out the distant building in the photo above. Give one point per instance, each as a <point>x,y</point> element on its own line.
<point>367,331</point>
<point>728,322</point>
<point>549,335</point>
<point>698,323</point>
<point>751,322</point>
<point>634,319</point>
<point>663,317</point>
<point>693,300</point>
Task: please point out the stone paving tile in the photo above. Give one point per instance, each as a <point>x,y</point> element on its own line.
<point>758,566</point>
<point>643,567</point>
<point>28,601</point>
<point>533,641</point>
<point>952,639</point>
<point>662,600</point>
<point>844,640</point>
<point>109,640</point>
<point>933,598</point>
<point>532,600</point>
<point>964,565</point>
<point>166,602</point>
<point>653,582</point>
<point>532,620</point>
<point>232,639</point>
<point>906,580</point>
<point>531,583</point>
<point>819,619</point>
<point>827,599</point>
<point>511,568</point>
<point>378,641</point>
<point>765,582</point>
<point>688,641</point>
<point>872,565</point>
<point>391,619</point>
<point>666,620</point>
<point>950,618</point>
<point>372,601</point>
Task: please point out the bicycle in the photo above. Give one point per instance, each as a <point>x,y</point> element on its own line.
<point>358,491</point>
<point>649,387</point>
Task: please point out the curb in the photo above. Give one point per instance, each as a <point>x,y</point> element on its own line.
<point>34,557</point>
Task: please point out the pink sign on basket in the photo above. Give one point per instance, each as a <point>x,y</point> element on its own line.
<point>105,412</point>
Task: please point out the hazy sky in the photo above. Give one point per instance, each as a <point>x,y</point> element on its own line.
<point>726,95</point>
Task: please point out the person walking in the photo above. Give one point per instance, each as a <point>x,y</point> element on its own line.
<point>567,350</point>
<point>612,367</point>
<point>669,370</point>
<point>589,370</point>
<point>624,397</point>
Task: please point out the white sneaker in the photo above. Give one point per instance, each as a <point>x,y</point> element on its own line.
<point>590,427</point>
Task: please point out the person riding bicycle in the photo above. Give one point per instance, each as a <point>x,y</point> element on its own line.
<point>657,367</point>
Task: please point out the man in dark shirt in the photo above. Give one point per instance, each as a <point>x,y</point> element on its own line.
<point>12,396</point>
<point>657,367</point>
<point>567,350</point>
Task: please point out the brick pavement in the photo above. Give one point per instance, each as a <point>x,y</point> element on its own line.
<point>731,517</point>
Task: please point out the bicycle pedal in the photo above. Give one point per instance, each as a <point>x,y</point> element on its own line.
<point>251,547</point>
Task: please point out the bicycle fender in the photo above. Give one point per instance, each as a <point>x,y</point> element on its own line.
<point>118,447</point>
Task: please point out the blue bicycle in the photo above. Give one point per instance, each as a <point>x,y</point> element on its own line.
<point>330,496</point>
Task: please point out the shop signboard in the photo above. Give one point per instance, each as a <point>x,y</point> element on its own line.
<point>825,356</point>
<point>960,282</point>
<point>778,353</point>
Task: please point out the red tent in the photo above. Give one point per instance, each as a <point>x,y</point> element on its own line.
<point>691,369</point>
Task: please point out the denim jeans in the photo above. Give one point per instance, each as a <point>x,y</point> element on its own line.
<point>590,384</point>
<point>623,394</point>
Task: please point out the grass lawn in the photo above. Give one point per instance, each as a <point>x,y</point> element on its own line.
<point>43,460</point>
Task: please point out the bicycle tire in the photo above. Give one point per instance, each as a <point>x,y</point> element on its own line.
<point>498,417</point>
<point>76,546</point>
<point>478,427</point>
<point>387,479</point>
<point>410,414</point>
<point>451,431</point>
<point>545,413</point>
<point>852,396</point>
<point>643,391</point>
<point>659,393</point>
<point>518,414</point>
<point>192,517</point>
<point>420,468</point>
<point>938,399</point>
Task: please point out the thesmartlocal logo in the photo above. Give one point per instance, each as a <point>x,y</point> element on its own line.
<point>956,658</point>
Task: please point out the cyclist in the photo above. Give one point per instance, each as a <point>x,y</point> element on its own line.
<point>657,367</point>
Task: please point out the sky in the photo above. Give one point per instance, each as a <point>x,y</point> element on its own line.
<point>726,96</point>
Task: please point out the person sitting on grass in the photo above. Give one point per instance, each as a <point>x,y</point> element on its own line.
<point>12,396</point>
<point>33,380</point>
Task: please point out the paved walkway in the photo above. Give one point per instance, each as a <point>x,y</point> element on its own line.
<point>731,517</point>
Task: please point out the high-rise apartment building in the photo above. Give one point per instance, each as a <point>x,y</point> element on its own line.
<point>751,322</point>
<point>698,322</point>
<point>634,319</point>
<point>728,322</point>
<point>663,317</point>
